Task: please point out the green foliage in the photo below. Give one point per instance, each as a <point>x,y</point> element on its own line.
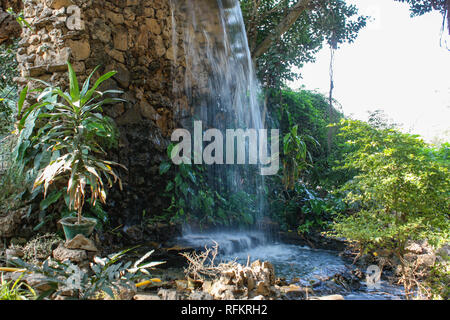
<point>400,190</point>
<point>105,274</point>
<point>333,21</point>
<point>8,88</point>
<point>302,117</point>
<point>420,7</point>
<point>295,156</point>
<point>71,138</point>
<point>438,280</point>
<point>303,208</point>
<point>16,290</point>
<point>195,201</point>
<point>309,111</point>
<point>12,186</point>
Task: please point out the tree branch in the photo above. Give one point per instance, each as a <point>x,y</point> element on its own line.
<point>294,13</point>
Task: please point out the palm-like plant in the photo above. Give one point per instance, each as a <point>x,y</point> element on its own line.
<point>296,155</point>
<point>74,132</point>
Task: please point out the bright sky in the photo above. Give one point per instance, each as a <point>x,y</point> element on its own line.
<point>396,64</point>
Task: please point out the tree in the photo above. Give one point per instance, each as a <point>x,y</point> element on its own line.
<point>400,189</point>
<point>420,7</point>
<point>285,34</point>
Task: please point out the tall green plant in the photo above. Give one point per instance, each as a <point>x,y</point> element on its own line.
<point>400,190</point>
<point>74,132</point>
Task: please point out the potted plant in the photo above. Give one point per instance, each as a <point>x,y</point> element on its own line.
<point>75,132</point>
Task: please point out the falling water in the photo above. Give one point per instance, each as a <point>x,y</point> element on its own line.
<point>218,80</point>
<point>214,81</point>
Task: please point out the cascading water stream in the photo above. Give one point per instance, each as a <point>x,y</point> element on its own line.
<point>219,82</point>
<point>214,75</point>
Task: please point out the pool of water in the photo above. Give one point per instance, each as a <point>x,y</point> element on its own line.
<point>294,263</point>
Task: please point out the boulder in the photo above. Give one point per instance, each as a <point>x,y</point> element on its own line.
<point>81,242</point>
<point>236,281</point>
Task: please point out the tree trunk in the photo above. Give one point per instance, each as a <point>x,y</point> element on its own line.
<point>282,27</point>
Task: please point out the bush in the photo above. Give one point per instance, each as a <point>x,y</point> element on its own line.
<point>401,189</point>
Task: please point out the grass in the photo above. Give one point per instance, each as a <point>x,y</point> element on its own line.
<point>16,290</point>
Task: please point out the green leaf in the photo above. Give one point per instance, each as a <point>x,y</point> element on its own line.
<point>73,81</point>
<point>50,199</point>
<point>164,167</point>
<point>20,102</point>
<point>178,180</point>
<point>169,186</point>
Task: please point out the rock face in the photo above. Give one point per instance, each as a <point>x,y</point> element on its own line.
<point>131,37</point>
<point>10,222</point>
<point>137,39</point>
<point>9,28</point>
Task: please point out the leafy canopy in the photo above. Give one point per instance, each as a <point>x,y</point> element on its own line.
<point>283,34</point>
<point>401,188</point>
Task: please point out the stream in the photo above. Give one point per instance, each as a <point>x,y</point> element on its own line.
<point>297,264</point>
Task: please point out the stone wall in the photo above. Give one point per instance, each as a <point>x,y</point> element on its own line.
<point>136,38</point>
<point>130,36</point>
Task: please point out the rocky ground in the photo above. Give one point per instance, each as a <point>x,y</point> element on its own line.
<point>177,279</point>
<point>256,280</point>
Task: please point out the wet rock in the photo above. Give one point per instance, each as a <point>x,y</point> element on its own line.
<point>134,232</point>
<point>117,55</point>
<point>115,18</point>
<point>153,26</point>
<point>81,242</point>
<point>123,77</point>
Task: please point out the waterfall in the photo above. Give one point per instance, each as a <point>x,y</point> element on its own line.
<point>214,73</point>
